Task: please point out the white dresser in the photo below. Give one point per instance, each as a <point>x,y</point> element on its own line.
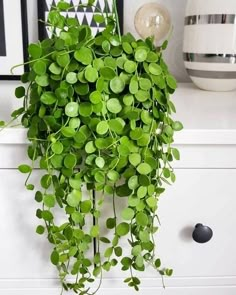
<point>204,192</point>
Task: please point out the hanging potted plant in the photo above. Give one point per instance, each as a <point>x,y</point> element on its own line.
<point>98,115</point>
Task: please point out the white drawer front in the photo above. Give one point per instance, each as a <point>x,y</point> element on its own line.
<point>199,196</point>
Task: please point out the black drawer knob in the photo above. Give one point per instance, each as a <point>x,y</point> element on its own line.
<point>202,233</point>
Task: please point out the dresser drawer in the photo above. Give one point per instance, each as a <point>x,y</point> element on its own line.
<point>206,196</point>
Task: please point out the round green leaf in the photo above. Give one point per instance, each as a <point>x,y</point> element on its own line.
<point>127,214</point>
<point>85,109</point>
<point>70,161</point>
<point>48,98</point>
<point>122,229</point>
<point>117,125</point>
<point>133,182</point>
<point>71,78</point>
<point>117,85</point>
<point>42,81</point>
<point>40,67</point>
<point>90,147</point>
<point>57,147</point>
<point>55,69</point>
<point>152,202</point>
<point>171,82</point>
<point>35,50</point>
<point>95,97</point>
<point>113,175</point>
<point>135,159</point>
<point>102,128</point>
<point>100,162</point>
<point>130,66</point>
<point>136,133</point>
<point>49,201</point>
<point>72,109</point>
<point>84,55</point>
<point>141,55</point>
<point>114,106</point>
<point>86,206</point>
<point>107,73</point>
<point>24,168</point>
<point>91,74</point>
<point>144,169</point>
<point>155,69</point>
<point>55,257</point>
<point>74,198</point>
<point>142,219</point>
<point>142,192</point>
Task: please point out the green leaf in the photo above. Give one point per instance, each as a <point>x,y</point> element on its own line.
<point>127,214</point>
<point>144,236</point>
<point>99,18</point>
<point>142,192</point>
<point>171,82</point>
<point>72,109</point>
<point>133,182</point>
<point>24,168</point>
<point>91,74</point>
<point>84,55</point>
<point>70,161</point>
<point>158,263</point>
<point>40,230</point>
<point>142,219</point>
<point>130,66</point>
<point>102,127</point>
<point>127,47</point>
<point>100,162</point>
<point>55,69</point>
<point>49,201</point>
<point>68,131</point>
<point>117,85</point>
<point>85,109</point>
<point>20,92</point>
<point>90,147</point>
<point>40,67</point>
<point>111,223</point>
<point>152,202</point>
<point>122,229</point>
<point>42,81</point>
<point>99,177</point>
<point>71,78</point>
<point>114,106</point>
<point>176,153</point>
<point>47,215</point>
<point>107,73</point>
<point>141,55</point>
<point>144,169</point>
<point>155,69</point>
<point>135,159</point>
<point>113,175</point>
<point>55,257</point>
<point>86,206</point>
<point>108,252</point>
<point>35,51</point>
<point>95,97</point>
<point>177,126</point>
<point>137,250</point>
<point>63,59</point>
<point>94,232</point>
<point>48,98</point>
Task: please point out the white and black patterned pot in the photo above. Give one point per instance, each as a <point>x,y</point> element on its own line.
<point>209,48</point>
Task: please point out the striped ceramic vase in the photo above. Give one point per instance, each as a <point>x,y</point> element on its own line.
<point>209,48</point>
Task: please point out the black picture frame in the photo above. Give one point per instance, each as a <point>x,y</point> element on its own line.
<point>42,9</point>
<point>25,41</point>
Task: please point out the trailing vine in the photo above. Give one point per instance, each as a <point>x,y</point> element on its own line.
<point>98,114</point>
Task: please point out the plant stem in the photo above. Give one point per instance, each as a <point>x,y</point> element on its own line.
<point>115,12</point>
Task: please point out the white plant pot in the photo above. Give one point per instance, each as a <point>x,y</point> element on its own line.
<point>209,47</point>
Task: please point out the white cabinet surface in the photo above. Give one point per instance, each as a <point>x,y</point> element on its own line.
<point>204,192</point>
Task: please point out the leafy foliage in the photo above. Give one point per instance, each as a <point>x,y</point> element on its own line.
<point>98,114</point>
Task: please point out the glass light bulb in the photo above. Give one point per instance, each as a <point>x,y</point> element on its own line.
<point>153,19</point>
